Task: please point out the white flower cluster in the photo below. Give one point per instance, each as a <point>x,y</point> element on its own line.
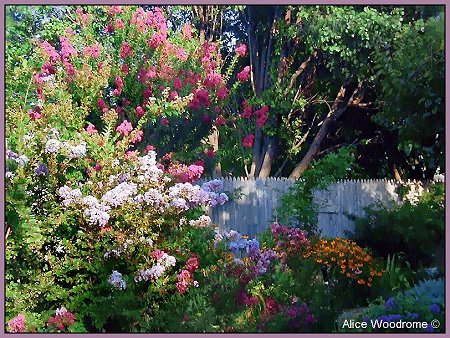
<point>119,195</point>
<point>70,196</point>
<point>201,222</point>
<point>156,271</point>
<point>53,146</point>
<point>76,151</point>
<point>117,281</point>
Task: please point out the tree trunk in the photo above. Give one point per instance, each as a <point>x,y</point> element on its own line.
<point>339,106</point>
<point>269,157</point>
<point>214,142</point>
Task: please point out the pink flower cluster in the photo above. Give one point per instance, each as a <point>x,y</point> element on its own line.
<point>62,320</point>
<point>183,173</point>
<point>244,75</point>
<point>185,276</point>
<point>119,86</point>
<point>35,114</point>
<point>93,51</point>
<point>241,50</point>
<point>114,10</point>
<point>288,240</point>
<point>261,116</point>
<point>247,110</point>
<point>51,52</point>
<point>220,121</point>
<point>17,324</point>
<point>102,105</point>
<point>125,127</point>
<point>248,141</point>
<point>125,50</point>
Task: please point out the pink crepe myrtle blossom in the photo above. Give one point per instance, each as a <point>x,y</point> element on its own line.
<point>125,50</point>
<point>248,141</point>
<point>93,51</point>
<point>150,148</point>
<point>241,50</point>
<point>119,86</point>
<point>139,111</point>
<point>125,128</point>
<point>50,51</point>
<point>35,114</point>
<point>220,121</point>
<point>90,129</point>
<point>138,137</point>
<point>262,116</point>
<point>244,75</point>
<point>102,105</point>
<point>17,324</point>
<point>125,69</point>
<point>114,10</point>
<point>177,84</point>
<point>222,93</point>
<point>119,24</point>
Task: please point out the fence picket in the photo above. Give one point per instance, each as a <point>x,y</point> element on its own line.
<point>256,209</point>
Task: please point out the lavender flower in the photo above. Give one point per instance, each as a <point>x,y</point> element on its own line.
<point>167,260</point>
<point>22,160</point>
<point>153,273</point>
<point>116,280</point>
<point>70,196</point>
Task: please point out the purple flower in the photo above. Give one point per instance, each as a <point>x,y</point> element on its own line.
<point>383,318</point>
<point>435,309</point>
<point>413,315</point>
<point>41,169</point>
<point>394,318</point>
<point>252,248</point>
<point>429,328</point>
<point>390,303</point>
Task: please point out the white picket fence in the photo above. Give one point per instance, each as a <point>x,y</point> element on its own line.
<point>256,208</point>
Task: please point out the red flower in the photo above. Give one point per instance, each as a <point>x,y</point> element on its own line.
<point>139,111</point>
<point>210,152</point>
<point>220,121</point>
<point>192,263</point>
<point>149,148</point>
<point>177,84</point>
<point>125,69</point>
<point>248,141</point>
<point>165,122</point>
<point>222,93</point>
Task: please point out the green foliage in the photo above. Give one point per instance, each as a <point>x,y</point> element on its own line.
<point>411,76</point>
<point>415,229</point>
<point>397,276</point>
<point>297,205</point>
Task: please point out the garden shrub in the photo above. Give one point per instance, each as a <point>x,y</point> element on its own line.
<point>416,229</point>
<point>95,225</point>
